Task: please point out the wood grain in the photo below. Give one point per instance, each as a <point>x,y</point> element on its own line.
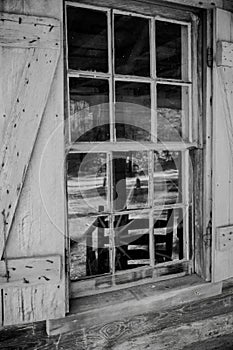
<point>22,271</point>
<point>22,31</point>
<point>222,262</point>
<point>158,299</point>
<point>24,124</point>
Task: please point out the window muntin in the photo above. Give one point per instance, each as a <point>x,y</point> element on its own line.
<point>143,107</point>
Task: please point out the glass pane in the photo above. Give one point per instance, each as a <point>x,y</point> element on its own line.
<point>87,39</point>
<point>130,180</point>
<point>132,47</point>
<point>133,111</point>
<point>167,177</point>
<point>168,235</point>
<point>172,112</point>
<point>89,109</point>
<point>132,241</point>
<point>171,50</point>
<point>87,185</point>
<point>89,248</point>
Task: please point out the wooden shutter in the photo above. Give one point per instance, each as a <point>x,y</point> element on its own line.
<point>223,147</point>
<point>33,287</point>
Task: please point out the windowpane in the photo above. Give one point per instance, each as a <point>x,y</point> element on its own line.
<point>89,246</point>
<point>87,39</point>
<point>132,47</point>
<point>171,50</point>
<point>87,185</point>
<point>89,109</point>
<point>133,111</point>
<point>168,235</point>
<point>130,180</point>
<point>167,178</point>
<point>172,112</point>
<point>132,241</point>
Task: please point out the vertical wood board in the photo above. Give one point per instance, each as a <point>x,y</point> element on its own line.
<point>33,303</point>
<point>222,261</point>
<point>22,130</point>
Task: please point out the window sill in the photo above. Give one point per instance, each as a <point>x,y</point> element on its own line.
<point>116,305</point>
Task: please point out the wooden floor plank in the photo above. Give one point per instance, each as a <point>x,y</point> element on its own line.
<point>193,326</point>
<point>99,310</point>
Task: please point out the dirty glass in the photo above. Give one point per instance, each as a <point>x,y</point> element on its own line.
<point>87,39</point>
<point>133,111</point>
<point>89,109</point>
<point>167,177</point>
<point>132,47</point>
<point>172,112</point>
<point>171,50</point>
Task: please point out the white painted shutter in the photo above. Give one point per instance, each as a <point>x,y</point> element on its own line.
<point>34,289</point>
<point>223,147</point>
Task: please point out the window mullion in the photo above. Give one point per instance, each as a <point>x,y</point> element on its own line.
<point>153,84</point>
<point>111,71</point>
<point>151,205</point>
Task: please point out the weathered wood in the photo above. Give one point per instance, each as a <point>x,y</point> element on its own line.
<point>132,329</point>
<point>158,299</point>
<point>24,124</point>
<point>222,262</point>
<point>224,237</point>
<point>205,4</point>
<point>126,278</point>
<point>224,54</point>
<point>32,303</point>
<point>21,31</point>
<point>39,270</point>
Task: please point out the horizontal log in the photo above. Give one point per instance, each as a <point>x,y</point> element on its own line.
<point>30,271</point>
<point>24,31</point>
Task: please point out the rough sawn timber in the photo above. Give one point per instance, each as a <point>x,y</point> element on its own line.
<point>22,130</point>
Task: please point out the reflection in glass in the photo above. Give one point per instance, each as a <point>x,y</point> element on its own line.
<point>86,183</point>
<point>171,50</point>
<point>167,177</point>
<point>89,109</point>
<point>87,39</point>
<point>89,248</point>
<point>132,47</point>
<point>172,112</point>
<point>133,111</point>
<point>130,180</point>
<point>168,235</point>
<point>132,241</point>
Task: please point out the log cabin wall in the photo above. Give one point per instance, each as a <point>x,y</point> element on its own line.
<point>38,225</point>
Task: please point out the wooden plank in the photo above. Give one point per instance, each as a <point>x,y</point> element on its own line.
<point>124,279</point>
<point>39,270</point>
<point>224,54</point>
<point>222,261</point>
<point>225,237</point>
<point>24,31</point>
<point>24,124</point>
<point>205,4</point>
<point>157,301</point>
<point>33,303</point>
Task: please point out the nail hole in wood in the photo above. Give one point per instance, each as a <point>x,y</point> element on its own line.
<point>15,125</point>
<point>4,115</point>
<point>7,191</point>
<point>9,206</point>
<point>3,165</point>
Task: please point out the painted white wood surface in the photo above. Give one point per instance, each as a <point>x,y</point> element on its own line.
<point>29,31</point>
<point>38,225</point>
<point>222,261</point>
<point>31,271</point>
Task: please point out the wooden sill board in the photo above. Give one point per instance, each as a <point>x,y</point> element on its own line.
<point>120,305</point>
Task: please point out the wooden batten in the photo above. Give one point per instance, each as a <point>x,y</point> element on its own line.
<point>224,54</point>
<point>22,130</point>
<point>28,31</point>
<point>30,271</point>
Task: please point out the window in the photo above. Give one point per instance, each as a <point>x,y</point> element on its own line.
<point>130,82</point>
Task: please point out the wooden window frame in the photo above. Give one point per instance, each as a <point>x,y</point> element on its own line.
<point>112,146</point>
